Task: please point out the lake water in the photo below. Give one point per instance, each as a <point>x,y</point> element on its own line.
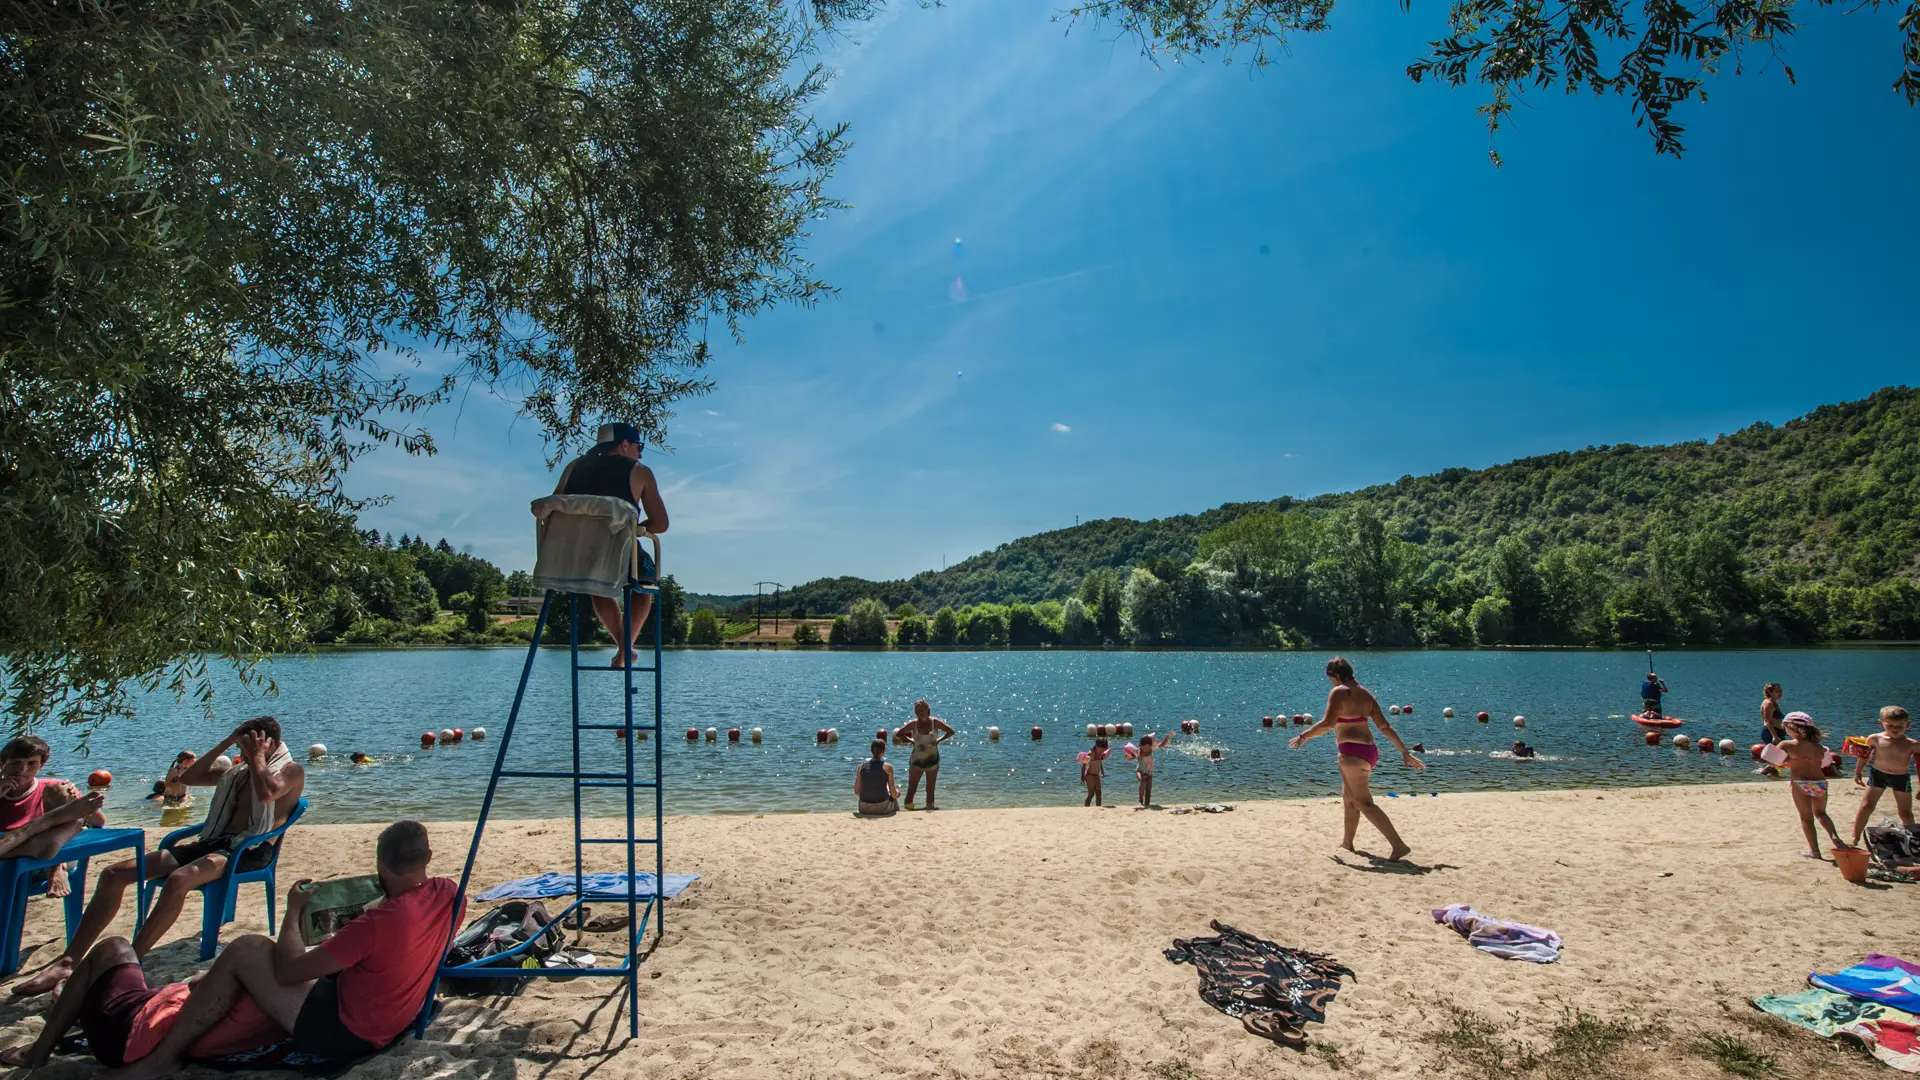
<point>1575,703</point>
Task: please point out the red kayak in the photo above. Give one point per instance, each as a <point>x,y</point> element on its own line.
<point>1657,721</point>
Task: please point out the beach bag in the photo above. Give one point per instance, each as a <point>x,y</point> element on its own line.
<point>499,930</point>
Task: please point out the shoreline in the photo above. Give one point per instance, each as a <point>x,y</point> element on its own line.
<point>1003,942</point>
<point>1358,650</point>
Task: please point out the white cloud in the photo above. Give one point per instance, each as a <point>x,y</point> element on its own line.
<point>1061,428</point>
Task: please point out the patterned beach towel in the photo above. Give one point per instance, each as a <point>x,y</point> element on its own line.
<point>1826,1013</point>
<point>595,886</point>
<point>1236,962</point>
<point>1888,980</point>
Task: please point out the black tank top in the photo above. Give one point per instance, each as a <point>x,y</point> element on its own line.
<point>873,781</point>
<point>601,474</point>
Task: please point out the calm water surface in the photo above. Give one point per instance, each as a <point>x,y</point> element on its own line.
<point>1575,702</point>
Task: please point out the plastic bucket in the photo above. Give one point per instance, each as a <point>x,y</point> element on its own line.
<point>1852,863</point>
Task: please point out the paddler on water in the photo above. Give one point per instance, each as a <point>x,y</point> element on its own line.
<point>1650,692</point>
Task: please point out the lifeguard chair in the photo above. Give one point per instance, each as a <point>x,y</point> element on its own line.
<point>590,545</point>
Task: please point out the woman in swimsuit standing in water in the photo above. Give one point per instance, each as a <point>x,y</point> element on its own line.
<point>1350,710</point>
<point>926,732</point>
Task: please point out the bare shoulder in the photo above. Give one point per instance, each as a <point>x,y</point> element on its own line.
<point>296,774</point>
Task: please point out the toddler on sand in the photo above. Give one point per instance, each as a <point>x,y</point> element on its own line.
<point>1093,770</point>
<point>1888,764</point>
<point>1143,766</point>
<point>1806,762</point>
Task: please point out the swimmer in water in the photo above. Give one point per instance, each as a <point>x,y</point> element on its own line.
<point>172,791</point>
<point>359,758</point>
<point>1352,713</point>
<point>1521,750</point>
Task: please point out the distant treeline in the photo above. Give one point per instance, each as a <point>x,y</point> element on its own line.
<point>1806,532</point>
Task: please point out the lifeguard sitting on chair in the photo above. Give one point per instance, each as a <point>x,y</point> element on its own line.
<point>612,468</point>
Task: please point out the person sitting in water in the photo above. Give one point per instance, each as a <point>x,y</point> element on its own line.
<point>1650,692</point>
<point>873,784</point>
<point>349,996</point>
<point>38,815</point>
<point>613,468</point>
<point>1521,749</point>
<point>174,791</point>
<point>249,798</point>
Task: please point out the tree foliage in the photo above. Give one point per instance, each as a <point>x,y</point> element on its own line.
<point>1656,54</point>
<point>230,226</point>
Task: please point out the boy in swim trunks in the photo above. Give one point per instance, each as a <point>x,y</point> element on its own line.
<point>1888,764</point>
<point>1806,764</point>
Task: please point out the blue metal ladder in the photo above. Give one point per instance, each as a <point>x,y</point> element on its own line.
<point>639,913</point>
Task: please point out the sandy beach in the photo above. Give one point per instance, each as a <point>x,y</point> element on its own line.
<point>1028,942</point>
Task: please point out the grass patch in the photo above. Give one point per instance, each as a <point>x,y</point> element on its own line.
<point>1578,1046</point>
<point>1733,1055</point>
<point>1330,1054</point>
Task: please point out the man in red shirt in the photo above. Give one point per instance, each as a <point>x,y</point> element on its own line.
<point>351,995</point>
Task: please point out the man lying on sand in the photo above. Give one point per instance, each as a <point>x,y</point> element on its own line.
<point>250,798</point>
<point>348,997</point>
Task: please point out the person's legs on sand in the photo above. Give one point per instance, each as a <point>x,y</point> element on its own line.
<point>108,890</point>
<point>244,966</point>
<point>933,777</point>
<point>65,1012</point>
<point>1867,803</point>
<point>173,897</point>
<point>1354,773</point>
<point>1820,812</point>
<point>1804,807</point>
<point>913,784</point>
<point>1903,805</point>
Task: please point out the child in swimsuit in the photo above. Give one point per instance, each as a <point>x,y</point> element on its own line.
<point>1143,766</point>
<point>1806,764</point>
<point>1888,764</point>
<point>1094,771</point>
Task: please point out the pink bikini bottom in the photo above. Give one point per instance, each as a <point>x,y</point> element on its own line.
<point>1365,751</point>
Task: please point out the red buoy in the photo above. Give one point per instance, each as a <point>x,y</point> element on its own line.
<point>881,734</point>
<point>459,734</point>
<point>1705,745</point>
<point>426,738</point>
<point>820,736</point>
<point>693,734</point>
<point>1266,721</point>
<point>1482,717</point>
<point>1036,734</point>
<point>733,734</point>
<point>1653,738</point>
<point>1407,709</point>
<point>100,778</point>
<point>1757,747</point>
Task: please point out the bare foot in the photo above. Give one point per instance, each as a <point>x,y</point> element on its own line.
<point>1814,855</point>
<point>147,1068</point>
<point>1399,853</point>
<point>59,884</point>
<point>48,979</point>
<point>18,1057</point>
<point>1348,846</point>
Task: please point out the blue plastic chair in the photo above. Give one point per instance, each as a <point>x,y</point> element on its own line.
<point>219,894</point>
<point>17,884</point>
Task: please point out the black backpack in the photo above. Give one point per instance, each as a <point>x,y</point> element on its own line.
<point>497,931</point>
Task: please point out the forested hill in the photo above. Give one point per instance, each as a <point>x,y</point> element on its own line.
<point>1830,499</point>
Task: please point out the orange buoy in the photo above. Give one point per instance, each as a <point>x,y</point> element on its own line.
<point>1653,738</point>
<point>100,778</point>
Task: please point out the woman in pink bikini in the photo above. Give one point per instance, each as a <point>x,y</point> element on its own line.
<point>1351,708</point>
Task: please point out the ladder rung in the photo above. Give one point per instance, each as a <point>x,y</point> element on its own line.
<point>620,782</point>
<point>617,727</point>
<point>614,670</point>
<point>529,775</point>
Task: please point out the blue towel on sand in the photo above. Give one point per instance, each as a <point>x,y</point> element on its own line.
<point>1886,985</point>
<point>596,886</point>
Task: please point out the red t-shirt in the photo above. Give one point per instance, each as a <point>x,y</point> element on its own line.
<point>390,954</point>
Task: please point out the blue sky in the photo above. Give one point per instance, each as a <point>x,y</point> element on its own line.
<point>1196,283</point>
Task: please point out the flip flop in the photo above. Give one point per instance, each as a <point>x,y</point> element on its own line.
<point>1273,1026</point>
<point>607,924</point>
<point>578,918</point>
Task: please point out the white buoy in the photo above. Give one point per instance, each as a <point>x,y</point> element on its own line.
<point>1519,721</point>
<point>833,734</point>
<point>1447,712</point>
<point>713,734</point>
<point>446,736</point>
<point>1682,742</point>
<point>993,734</point>
<point>755,735</point>
<point>1093,730</point>
<point>317,751</point>
<point>1126,731</point>
<point>478,734</point>
<point>1393,710</point>
<point>1726,746</point>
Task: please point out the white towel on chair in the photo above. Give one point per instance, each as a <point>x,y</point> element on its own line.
<point>233,784</point>
<point>584,543</point>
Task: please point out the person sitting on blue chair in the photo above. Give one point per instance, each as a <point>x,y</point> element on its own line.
<point>251,798</point>
<point>38,815</point>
